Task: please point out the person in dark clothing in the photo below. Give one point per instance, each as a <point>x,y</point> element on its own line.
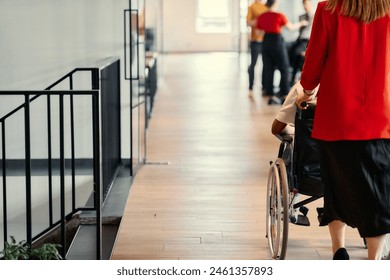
<point>274,49</point>
<point>297,51</point>
<point>256,39</point>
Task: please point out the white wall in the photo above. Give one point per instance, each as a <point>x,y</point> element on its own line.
<point>179,33</point>
<point>42,40</point>
<point>178,27</point>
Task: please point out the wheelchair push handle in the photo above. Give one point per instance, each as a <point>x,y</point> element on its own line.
<point>305,104</point>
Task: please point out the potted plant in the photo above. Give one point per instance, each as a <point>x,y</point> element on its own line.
<point>22,251</point>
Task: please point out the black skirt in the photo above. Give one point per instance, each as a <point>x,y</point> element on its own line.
<point>356,177</point>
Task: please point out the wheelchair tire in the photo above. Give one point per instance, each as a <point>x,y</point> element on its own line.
<point>277,218</point>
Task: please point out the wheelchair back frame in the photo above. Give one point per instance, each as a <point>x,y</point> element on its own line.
<point>306,161</point>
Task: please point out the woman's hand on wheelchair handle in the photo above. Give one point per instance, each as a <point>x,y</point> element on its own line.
<point>302,99</point>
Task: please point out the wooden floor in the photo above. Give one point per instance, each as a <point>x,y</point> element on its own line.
<point>202,194</point>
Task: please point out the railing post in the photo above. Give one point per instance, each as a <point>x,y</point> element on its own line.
<point>62,175</point>
<point>49,161</point>
<point>95,78</point>
<point>96,160</point>
<point>4,169</point>
<point>72,145</point>
<point>27,140</point>
<point>96,173</point>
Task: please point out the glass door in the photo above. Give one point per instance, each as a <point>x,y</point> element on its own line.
<point>135,74</point>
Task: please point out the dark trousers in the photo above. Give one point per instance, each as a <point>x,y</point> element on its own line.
<point>296,57</point>
<point>275,57</point>
<point>256,49</point>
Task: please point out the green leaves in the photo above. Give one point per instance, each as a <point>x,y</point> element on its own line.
<point>16,251</point>
<point>22,251</point>
<point>47,251</point>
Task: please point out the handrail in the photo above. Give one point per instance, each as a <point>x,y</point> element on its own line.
<point>94,85</point>
<point>64,216</point>
<point>105,138</point>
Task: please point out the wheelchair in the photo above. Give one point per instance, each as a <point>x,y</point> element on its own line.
<point>295,171</point>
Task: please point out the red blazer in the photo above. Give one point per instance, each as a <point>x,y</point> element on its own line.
<point>351,61</point>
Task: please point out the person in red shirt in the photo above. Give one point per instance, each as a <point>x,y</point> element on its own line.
<point>349,54</point>
<point>274,49</point>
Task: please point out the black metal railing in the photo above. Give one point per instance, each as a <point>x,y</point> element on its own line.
<point>71,118</point>
<point>29,171</point>
<point>110,123</point>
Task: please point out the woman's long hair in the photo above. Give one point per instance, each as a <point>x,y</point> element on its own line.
<point>363,10</point>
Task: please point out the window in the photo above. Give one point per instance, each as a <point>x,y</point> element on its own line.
<point>244,4</point>
<point>213,16</point>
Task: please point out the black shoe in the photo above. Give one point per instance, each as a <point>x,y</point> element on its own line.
<point>341,254</point>
<point>320,212</point>
<point>274,101</point>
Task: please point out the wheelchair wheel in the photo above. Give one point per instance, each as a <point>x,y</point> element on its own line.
<point>277,219</point>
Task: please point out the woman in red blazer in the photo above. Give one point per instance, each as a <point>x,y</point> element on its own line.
<point>349,54</point>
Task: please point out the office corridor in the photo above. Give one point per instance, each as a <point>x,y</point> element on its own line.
<point>201,194</point>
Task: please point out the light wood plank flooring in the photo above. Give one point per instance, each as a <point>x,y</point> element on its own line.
<point>208,202</point>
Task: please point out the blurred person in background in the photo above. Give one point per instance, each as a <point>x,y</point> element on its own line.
<point>297,51</point>
<point>256,38</point>
<point>275,50</point>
